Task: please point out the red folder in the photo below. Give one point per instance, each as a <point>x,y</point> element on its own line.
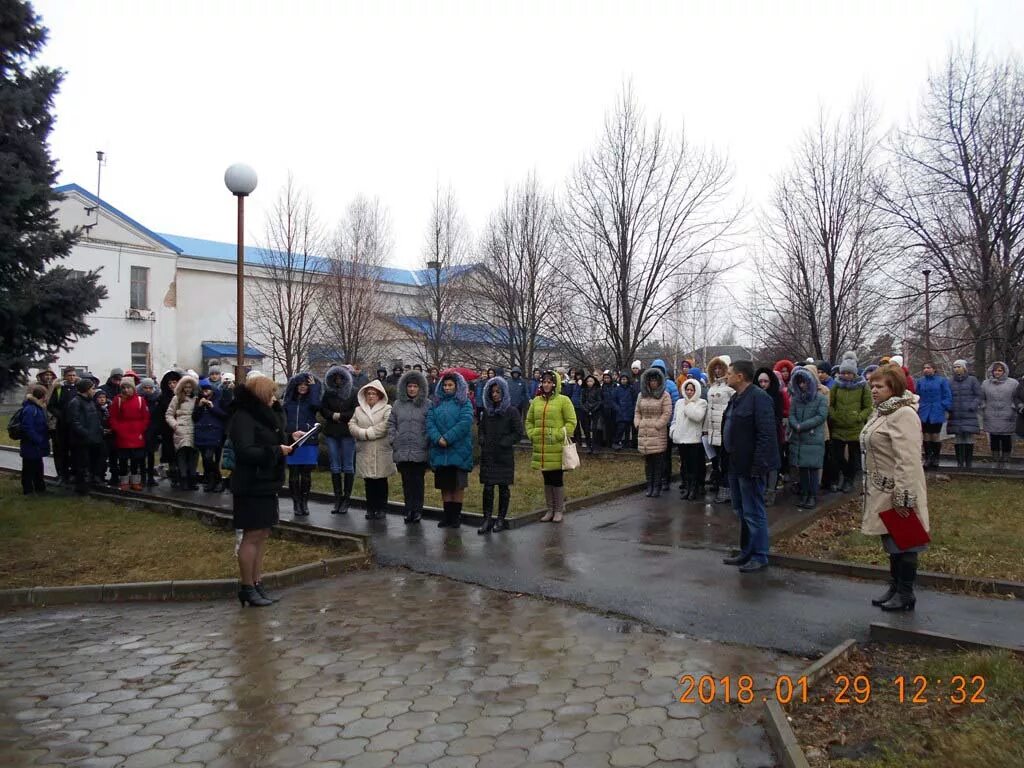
<point>907,532</point>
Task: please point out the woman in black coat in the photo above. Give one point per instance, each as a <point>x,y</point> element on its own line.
<point>501,429</point>
<point>766,379</point>
<point>260,444</point>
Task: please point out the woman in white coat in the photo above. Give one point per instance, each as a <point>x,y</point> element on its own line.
<point>374,457</point>
<point>719,395</point>
<point>687,426</point>
<point>894,478</point>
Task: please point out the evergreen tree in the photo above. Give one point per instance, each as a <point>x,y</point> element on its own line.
<point>42,311</point>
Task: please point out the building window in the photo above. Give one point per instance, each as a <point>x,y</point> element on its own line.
<point>140,356</point>
<point>140,288</point>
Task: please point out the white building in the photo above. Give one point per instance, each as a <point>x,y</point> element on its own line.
<point>170,299</point>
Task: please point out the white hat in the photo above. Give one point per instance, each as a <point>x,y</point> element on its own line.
<point>253,375</point>
<point>897,359</point>
<point>228,376</point>
<point>637,364</point>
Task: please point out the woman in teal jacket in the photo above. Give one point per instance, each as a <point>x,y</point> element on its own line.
<point>450,432</point>
<point>808,412</point>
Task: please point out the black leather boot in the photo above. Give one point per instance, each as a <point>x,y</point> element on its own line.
<point>504,495</point>
<point>346,494</point>
<point>338,498</point>
<point>294,492</point>
<point>248,595</point>
<point>488,510</point>
<point>968,456</point>
<point>258,586</point>
<point>887,595</point>
<point>906,574</point>
<point>959,455</point>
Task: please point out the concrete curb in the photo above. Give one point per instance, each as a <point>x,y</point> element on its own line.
<point>881,632</point>
<point>783,740</point>
<point>156,591</point>
<point>876,572</point>
<point>776,722</point>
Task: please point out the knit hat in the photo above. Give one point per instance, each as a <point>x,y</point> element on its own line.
<point>147,382</point>
<point>116,372</point>
<point>960,363</point>
<point>848,363</point>
<point>824,365</point>
<point>205,384</point>
<point>636,364</point>
<point>897,360</point>
<point>213,369</point>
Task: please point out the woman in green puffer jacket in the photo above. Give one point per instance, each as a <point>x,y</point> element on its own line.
<point>551,417</point>
<point>849,409</point>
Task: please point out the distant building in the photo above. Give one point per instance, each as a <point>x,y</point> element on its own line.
<point>734,351</point>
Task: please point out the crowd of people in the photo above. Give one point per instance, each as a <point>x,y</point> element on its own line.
<point>811,423</point>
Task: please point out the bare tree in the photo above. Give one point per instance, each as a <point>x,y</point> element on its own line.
<point>283,305</point>
<point>642,216</point>
<point>352,300</point>
<point>825,241</point>
<point>517,285</point>
<point>959,196</point>
<point>445,250</point>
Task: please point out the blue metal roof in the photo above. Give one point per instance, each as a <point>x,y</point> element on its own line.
<point>111,209</point>
<point>228,252</point>
<point>468,333</point>
<point>219,349</point>
<point>218,251</point>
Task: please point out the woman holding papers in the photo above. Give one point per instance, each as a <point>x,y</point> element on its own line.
<point>894,480</point>
<point>260,444</point>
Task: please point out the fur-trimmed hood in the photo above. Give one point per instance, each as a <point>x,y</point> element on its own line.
<point>461,387</point>
<point>991,376</point>
<point>339,381</point>
<point>291,392</point>
<point>802,374</point>
<point>375,384</point>
<point>695,384</point>
<point>784,365</point>
<point>35,401</point>
<point>724,360</point>
<point>654,372</point>
<point>506,396</point>
<point>169,380</point>
<point>402,396</point>
<point>179,389</point>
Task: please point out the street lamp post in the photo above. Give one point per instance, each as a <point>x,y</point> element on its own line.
<point>436,266</point>
<point>240,179</point>
<point>927,317</point>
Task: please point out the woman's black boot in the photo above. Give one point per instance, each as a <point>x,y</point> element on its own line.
<point>338,498</point>
<point>248,595</point>
<point>258,586</point>
<point>650,479</point>
<point>887,596</point>
<point>906,574</point>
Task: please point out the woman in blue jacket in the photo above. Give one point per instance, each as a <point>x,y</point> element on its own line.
<point>936,400</point>
<point>208,419</point>
<point>301,403</point>
<point>450,432</point>
<point>35,441</point>
<point>963,415</point>
<point>625,408</point>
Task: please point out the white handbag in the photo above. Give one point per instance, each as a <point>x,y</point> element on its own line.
<point>570,457</point>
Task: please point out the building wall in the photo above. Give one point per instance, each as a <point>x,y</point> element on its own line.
<point>113,250</point>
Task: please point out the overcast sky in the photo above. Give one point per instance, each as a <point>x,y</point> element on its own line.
<point>392,98</point>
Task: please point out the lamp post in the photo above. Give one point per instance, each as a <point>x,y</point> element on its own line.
<point>240,180</point>
<point>436,266</point>
<point>927,316</point>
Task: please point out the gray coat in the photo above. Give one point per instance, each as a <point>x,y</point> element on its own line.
<point>963,416</point>
<point>999,416</point>
<point>407,426</point>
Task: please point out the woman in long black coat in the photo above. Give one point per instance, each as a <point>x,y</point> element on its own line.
<point>501,429</point>
<point>257,434</point>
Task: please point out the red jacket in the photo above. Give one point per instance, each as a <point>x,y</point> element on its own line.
<point>129,420</point>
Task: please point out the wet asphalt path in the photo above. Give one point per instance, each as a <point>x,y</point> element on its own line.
<point>648,559</point>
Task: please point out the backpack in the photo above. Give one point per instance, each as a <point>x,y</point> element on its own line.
<point>14,428</point>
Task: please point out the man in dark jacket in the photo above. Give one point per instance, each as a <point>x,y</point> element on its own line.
<point>749,434</point>
<point>57,405</point>
<point>519,393</point>
<point>86,435</point>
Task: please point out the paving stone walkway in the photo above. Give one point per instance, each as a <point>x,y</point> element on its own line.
<point>371,669</point>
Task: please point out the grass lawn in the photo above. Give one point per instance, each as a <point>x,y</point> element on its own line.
<point>977,529</point>
<point>63,540</point>
<point>884,732</point>
<point>596,474</point>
